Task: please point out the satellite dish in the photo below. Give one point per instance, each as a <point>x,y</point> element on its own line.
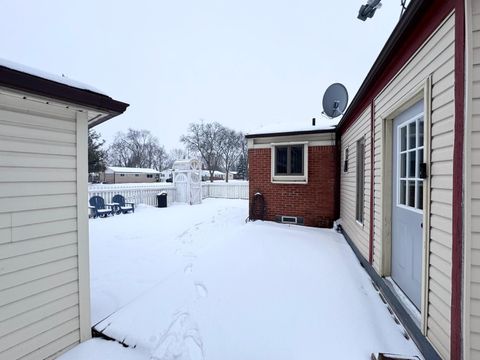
<point>335,100</point>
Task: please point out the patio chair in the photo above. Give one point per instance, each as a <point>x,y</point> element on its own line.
<point>99,208</point>
<point>123,206</point>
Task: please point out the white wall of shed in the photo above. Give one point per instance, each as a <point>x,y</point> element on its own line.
<point>43,284</point>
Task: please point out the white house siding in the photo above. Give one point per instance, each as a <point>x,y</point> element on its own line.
<point>39,286</point>
<point>435,58</point>
<point>359,233</point>
<point>472,185</point>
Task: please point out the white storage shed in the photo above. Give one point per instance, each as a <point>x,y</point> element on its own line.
<point>44,267</point>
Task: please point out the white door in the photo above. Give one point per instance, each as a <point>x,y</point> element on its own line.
<point>407,202</point>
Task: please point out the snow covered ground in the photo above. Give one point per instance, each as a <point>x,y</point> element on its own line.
<point>197,282</point>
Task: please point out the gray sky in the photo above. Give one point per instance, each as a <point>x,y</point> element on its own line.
<point>242,63</point>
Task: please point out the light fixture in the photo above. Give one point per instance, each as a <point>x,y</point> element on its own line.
<point>368,10</point>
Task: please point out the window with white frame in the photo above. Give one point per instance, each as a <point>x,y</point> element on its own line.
<point>360,180</point>
<point>289,162</point>
<point>410,156</point>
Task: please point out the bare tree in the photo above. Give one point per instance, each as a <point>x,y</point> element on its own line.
<point>174,155</point>
<point>229,148</point>
<point>242,163</point>
<point>137,148</point>
<point>204,139</point>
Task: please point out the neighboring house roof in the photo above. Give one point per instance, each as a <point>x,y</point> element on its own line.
<point>281,129</point>
<point>215,173</point>
<point>129,170</point>
<point>26,79</point>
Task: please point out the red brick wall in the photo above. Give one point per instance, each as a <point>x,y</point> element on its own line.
<point>314,201</point>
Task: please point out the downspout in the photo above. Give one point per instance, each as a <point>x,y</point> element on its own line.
<point>457,198</point>
<point>338,159</point>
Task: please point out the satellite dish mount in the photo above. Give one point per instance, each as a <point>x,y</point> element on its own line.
<point>335,100</point>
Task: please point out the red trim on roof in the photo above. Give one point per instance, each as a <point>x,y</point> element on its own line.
<point>372,178</point>
<point>417,24</point>
<point>457,198</point>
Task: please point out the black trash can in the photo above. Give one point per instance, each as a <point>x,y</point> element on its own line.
<point>162,200</point>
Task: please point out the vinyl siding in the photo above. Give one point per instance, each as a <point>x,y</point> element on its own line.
<point>435,58</point>
<point>39,287</point>
<point>472,251</point>
<point>358,233</point>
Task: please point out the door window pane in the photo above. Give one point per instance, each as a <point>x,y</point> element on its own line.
<point>419,161</point>
<point>412,135</point>
<point>411,163</point>
<point>403,138</point>
<point>420,195</point>
<point>403,188</point>
<point>403,165</point>
<point>420,132</point>
<point>411,193</point>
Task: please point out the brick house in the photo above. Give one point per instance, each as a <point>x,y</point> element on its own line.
<point>295,172</point>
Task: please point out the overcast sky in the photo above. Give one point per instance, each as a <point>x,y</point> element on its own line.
<point>242,63</point>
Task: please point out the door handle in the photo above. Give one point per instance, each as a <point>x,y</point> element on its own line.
<point>421,225</point>
<point>422,173</point>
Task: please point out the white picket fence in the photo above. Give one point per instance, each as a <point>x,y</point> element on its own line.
<point>225,190</point>
<point>147,193</point>
<point>136,193</point>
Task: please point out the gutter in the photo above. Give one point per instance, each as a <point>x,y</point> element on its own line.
<point>290,133</point>
<point>29,83</point>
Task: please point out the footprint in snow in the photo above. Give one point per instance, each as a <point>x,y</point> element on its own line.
<point>180,341</point>
<point>188,269</point>
<point>202,291</point>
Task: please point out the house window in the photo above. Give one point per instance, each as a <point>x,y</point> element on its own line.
<point>289,162</point>
<point>345,163</point>
<point>360,180</point>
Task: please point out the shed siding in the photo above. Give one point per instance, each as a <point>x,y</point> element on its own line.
<point>472,253</point>
<point>358,233</point>
<point>39,290</point>
<point>435,58</point>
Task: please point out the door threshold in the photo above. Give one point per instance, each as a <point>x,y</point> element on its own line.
<point>408,305</point>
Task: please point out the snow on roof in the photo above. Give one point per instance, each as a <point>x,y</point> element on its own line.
<point>279,128</point>
<point>45,75</point>
<point>118,169</point>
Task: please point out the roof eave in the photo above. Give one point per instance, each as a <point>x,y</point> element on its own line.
<point>291,133</point>
<point>20,81</point>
